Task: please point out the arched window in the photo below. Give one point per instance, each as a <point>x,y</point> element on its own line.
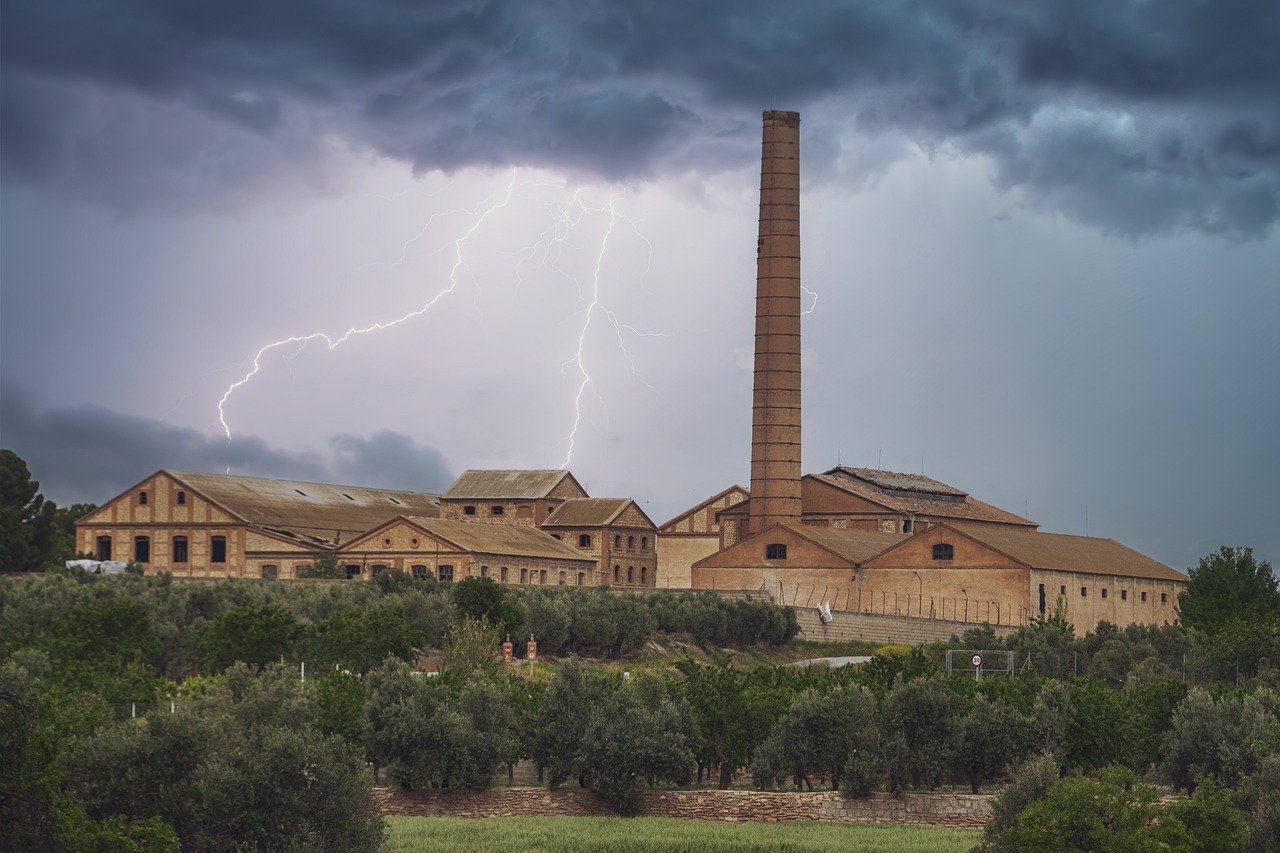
<point>631,574</point>
<point>142,549</point>
<point>775,551</point>
<point>142,498</point>
<point>617,541</point>
<point>943,551</point>
<point>484,571</point>
<point>217,549</point>
<point>562,579</point>
<point>270,572</point>
<point>617,574</point>
<point>502,574</point>
<point>182,498</point>
<point>104,548</point>
<point>179,549</point>
<point>584,540</point>
<point>631,542</point>
<point>524,576</point>
<point>644,543</point>
<point>644,575</point>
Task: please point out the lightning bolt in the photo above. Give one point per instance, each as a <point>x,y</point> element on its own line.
<point>334,343</point>
<point>815,301</point>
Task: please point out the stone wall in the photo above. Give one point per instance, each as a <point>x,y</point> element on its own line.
<point>957,810</point>
<point>880,628</point>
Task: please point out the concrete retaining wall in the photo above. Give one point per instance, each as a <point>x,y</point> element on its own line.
<point>880,628</point>
<point>956,810</point>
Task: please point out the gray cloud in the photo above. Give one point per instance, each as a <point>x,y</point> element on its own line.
<point>88,453</point>
<point>223,95</point>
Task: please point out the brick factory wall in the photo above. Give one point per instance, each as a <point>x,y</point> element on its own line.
<point>677,553</point>
<point>957,810</point>
<point>877,628</point>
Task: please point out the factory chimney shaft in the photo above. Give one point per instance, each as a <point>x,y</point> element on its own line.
<point>775,419</point>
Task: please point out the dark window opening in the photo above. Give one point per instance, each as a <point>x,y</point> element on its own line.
<point>555,536</point>
<point>446,574</point>
<point>1104,592</point>
<point>1063,590</point>
<point>502,574</point>
<point>644,575</point>
<point>582,578</point>
<point>104,547</point>
<point>631,542</point>
<point>906,526</point>
<point>617,574</point>
<point>468,510</point>
<point>496,510</point>
<point>1143,595</point>
<point>584,541</point>
<point>617,541</point>
<point>218,549</point>
<point>182,498</point>
<point>179,549</point>
<point>353,571</point>
<point>1164,598</point>
<point>561,579</point>
<point>1084,592</point>
<point>775,551</point>
<point>142,549</point>
<point>270,572</point>
<point>524,576</point>
<point>644,543</point>
<point>142,498</point>
<point>1124,595</point>
<point>380,570</point>
<point>1042,601</point>
<point>542,576</point>
<point>419,573</point>
<point>631,574</point>
<point>484,571</point>
<point>944,551</point>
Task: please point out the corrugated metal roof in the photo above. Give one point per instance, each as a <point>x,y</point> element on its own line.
<point>496,484</point>
<point>308,510</point>
<point>950,504</point>
<point>586,512</point>
<point>853,545</point>
<point>1063,552</point>
<point>500,539</point>
<point>899,481</point>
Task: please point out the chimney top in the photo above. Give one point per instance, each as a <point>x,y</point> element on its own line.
<point>784,117</point>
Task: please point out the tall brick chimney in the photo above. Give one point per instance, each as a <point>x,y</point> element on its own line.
<point>775,418</point>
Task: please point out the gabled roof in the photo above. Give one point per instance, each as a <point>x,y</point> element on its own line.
<point>315,511</point>
<point>916,494</point>
<point>511,484</point>
<point>508,540</point>
<point>708,502</point>
<point>853,545</point>
<point>1066,553</point>
<point>589,512</point>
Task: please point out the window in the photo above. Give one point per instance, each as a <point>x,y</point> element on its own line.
<point>584,540</point>
<point>775,551</point>
<point>644,543</point>
<point>944,551</point>
<point>582,578</point>
<point>631,542</point>
<point>906,526</point>
<point>524,576</point>
<point>1164,598</point>
<point>1042,602</point>
<point>1062,590</point>
<point>379,570</point>
<point>182,498</point>
<point>419,573</point>
<point>542,576</point>
<point>502,574</point>
<point>617,541</point>
<point>496,510</point>
<point>218,549</point>
<point>446,574</point>
<point>1124,595</point>
<point>179,549</point>
<point>644,575</point>
<point>142,549</point>
<point>142,498</point>
<point>555,536</point>
<point>104,547</point>
<point>1143,595</point>
<point>270,572</point>
<point>353,571</point>
<point>631,574</point>
<point>1084,592</point>
<point>468,510</point>
<point>1104,592</point>
<point>562,579</point>
<point>617,574</point>
<point>484,571</point>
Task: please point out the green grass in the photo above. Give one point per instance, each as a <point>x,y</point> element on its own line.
<point>653,834</point>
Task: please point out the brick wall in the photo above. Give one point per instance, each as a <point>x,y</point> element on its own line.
<point>928,809</point>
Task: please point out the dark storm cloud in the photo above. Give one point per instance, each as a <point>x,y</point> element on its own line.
<point>88,453</point>
<point>1136,117</point>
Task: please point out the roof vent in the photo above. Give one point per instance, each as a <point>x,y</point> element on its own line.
<point>347,496</point>
<point>393,500</point>
<point>299,491</point>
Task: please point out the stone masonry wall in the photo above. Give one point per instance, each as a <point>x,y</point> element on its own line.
<point>879,628</point>
<point>955,810</point>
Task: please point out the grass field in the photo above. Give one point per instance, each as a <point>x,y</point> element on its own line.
<point>651,834</point>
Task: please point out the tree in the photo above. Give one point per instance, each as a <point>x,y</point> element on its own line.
<point>472,650</point>
<point>731,714</point>
<point>993,737</point>
<point>918,722</point>
<point>1227,587</point>
<point>25,516</point>
<point>1028,782</point>
<point>1224,740</point>
<point>361,639</point>
<point>253,635</point>
<point>817,735</point>
<point>635,735</point>
<point>485,598</point>
<point>325,566</point>
<point>556,745</point>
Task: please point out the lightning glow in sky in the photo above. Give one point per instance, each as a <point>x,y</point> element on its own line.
<point>568,218</point>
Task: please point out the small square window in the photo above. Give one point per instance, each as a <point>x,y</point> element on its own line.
<point>1084,592</point>
<point>775,551</point>
<point>446,574</point>
<point>468,510</point>
<point>1164,598</point>
<point>1142,596</point>
<point>353,571</point>
<point>496,510</point>
<point>944,551</point>
<point>1104,592</point>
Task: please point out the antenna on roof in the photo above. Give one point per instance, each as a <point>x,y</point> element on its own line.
<point>1086,520</point>
<point>1026,509</point>
<point>837,454</point>
<point>922,464</point>
<point>880,459</point>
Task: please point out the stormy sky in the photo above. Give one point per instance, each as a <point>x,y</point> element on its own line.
<point>1042,238</point>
